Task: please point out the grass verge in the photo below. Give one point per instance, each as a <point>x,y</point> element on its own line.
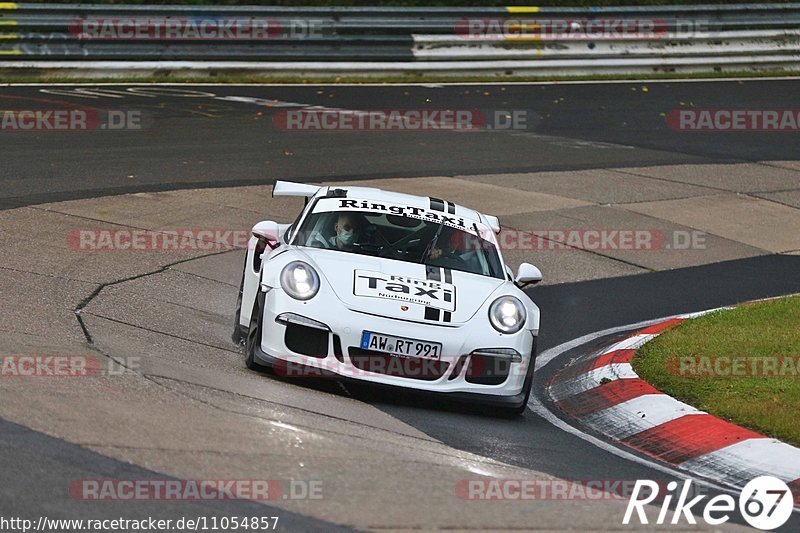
<point>697,363</point>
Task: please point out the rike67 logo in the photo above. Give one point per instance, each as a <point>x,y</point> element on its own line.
<point>765,503</point>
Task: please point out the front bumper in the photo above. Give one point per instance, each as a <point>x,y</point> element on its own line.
<point>487,400</point>
<point>336,352</point>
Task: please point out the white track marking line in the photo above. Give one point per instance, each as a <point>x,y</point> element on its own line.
<point>637,415</point>
<point>590,380</point>
<point>547,356</point>
<point>538,408</point>
<point>420,84</point>
<point>536,405</point>
<point>633,342</point>
<point>763,456</point>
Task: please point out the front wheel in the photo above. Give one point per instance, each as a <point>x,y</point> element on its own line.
<point>253,339</point>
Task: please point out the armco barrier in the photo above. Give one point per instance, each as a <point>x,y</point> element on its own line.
<point>126,39</point>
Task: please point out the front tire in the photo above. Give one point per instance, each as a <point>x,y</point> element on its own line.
<point>253,340</point>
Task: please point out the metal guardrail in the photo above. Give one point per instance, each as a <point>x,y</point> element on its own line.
<point>461,40</point>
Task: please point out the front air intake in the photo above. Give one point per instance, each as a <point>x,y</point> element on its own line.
<point>305,340</point>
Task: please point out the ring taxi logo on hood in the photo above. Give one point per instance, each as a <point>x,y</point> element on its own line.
<point>437,294</point>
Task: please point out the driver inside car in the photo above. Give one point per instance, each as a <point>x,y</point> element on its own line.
<point>446,252</point>
<point>346,232</point>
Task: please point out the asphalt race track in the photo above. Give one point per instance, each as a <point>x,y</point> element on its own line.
<point>198,140</point>
<point>197,137</point>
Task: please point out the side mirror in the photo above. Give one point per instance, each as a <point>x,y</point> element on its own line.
<point>527,274</point>
<point>267,230</point>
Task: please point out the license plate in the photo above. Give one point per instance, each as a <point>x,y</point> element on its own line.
<point>400,346</point>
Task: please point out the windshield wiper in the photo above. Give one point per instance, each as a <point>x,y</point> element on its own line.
<point>432,244</point>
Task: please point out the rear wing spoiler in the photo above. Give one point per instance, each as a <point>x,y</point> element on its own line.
<point>493,222</point>
<point>288,188</point>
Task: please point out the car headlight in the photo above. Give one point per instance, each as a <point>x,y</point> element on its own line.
<point>507,314</point>
<point>300,280</point>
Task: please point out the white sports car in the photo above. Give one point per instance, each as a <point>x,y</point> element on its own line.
<point>389,288</point>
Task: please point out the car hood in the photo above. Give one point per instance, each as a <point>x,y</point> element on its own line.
<point>402,290</point>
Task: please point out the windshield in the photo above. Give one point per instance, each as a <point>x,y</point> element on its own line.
<point>405,238</point>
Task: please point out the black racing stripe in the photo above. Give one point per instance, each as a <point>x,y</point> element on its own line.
<point>451,208</point>
<point>447,316</point>
<point>437,204</point>
<point>432,273</point>
<point>431,313</point>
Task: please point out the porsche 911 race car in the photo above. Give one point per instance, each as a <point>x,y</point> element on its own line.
<point>389,288</point>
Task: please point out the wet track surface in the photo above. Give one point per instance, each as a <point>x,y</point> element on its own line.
<point>41,465</point>
<point>209,139</point>
<point>217,135</point>
<point>573,310</point>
